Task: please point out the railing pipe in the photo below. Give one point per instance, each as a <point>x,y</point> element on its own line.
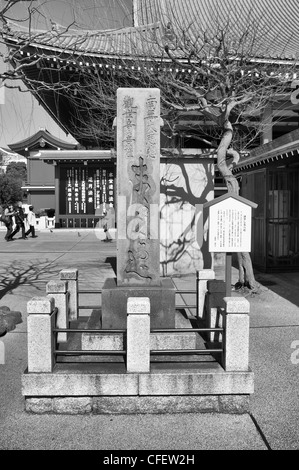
<point>89,291</point>
<point>59,352</point>
<point>182,352</point>
<point>164,330</point>
<point>82,330</point>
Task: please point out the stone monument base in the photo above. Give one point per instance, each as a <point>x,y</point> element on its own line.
<point>108,389</point>
<point>114,303</point>
<point>117,341</point>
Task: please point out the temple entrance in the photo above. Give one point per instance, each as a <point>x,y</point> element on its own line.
<point>84,191</point>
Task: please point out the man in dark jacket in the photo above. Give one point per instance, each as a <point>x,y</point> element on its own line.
<point>9,214</point>
<point>19,219</point>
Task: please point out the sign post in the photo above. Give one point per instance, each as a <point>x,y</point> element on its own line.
<point>228,274</point>
<point>229,228</point>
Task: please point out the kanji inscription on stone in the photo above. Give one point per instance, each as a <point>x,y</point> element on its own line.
<point>138,186</point>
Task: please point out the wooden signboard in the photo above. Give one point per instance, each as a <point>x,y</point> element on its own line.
<point>229,228</point>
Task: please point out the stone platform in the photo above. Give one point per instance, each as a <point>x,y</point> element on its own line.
<point>102,385</point>
<point>178,381</point>
<point>109,389</point>
<point>114,303</point>
<point>158,341</point>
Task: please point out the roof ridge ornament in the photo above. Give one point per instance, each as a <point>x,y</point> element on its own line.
<point>169,37</point>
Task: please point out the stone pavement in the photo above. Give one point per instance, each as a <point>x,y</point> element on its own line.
<point>26,267</point>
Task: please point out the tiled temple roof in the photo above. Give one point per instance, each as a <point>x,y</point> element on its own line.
<point>41,136</point>
<point>59,54</point>
<point>279,149</point>
<point>110,43</point>
<point>276,22</point>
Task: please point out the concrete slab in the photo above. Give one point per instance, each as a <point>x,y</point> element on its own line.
<point>270,310</point>
<point>284,284</point>
<point>192,379</point>
<point>79,381</point>
<point>276,401</point>
<point>152,433</point>
<point>112,379</point>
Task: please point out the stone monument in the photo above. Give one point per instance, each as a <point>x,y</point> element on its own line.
<point>138,301</point>
<point>138,201</point>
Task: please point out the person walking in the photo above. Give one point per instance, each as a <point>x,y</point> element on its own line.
<point>106,225</point>
<point>31,222</point>
<point>8,221</point>
<point>19,218</point>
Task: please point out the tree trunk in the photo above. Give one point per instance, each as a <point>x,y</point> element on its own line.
<point>246,275</point>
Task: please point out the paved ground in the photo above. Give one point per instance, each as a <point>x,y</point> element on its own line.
<point>26,267</point>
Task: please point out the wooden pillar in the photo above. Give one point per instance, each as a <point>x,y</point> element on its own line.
<point>57,195</point>
<point>267,135</point>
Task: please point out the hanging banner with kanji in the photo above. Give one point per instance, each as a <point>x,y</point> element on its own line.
<point>87,188</point>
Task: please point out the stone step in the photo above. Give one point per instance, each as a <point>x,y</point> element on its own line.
<point>116,342</point>
<point>158,341</point>
<point>108,388</point>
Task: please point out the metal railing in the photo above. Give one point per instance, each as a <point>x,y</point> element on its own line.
<point>122,352</point>
<point>80,221</point>
<point>60,352</point>
<point>186,351</point>
<point>231,335</point>
<point>197,351</point>
<point>178,292</point>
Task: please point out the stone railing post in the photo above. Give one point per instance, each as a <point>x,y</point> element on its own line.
<point>138,334</point>
<point>71,276</point>
<point>59,291</point>
<point>236,334</point>
<point>202,277</point>
<point>214,300</point>
<point>41,342</point>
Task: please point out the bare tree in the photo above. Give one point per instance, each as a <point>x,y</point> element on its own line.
<point>221,72</point>
<point>229,85</point>
<point>24,23</point>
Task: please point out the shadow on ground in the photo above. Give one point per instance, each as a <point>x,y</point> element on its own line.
<point>19,273</point>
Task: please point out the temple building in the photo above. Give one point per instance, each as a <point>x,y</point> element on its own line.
<point>72,182</point>
<point>78,180</point>
<point>270,177</point>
